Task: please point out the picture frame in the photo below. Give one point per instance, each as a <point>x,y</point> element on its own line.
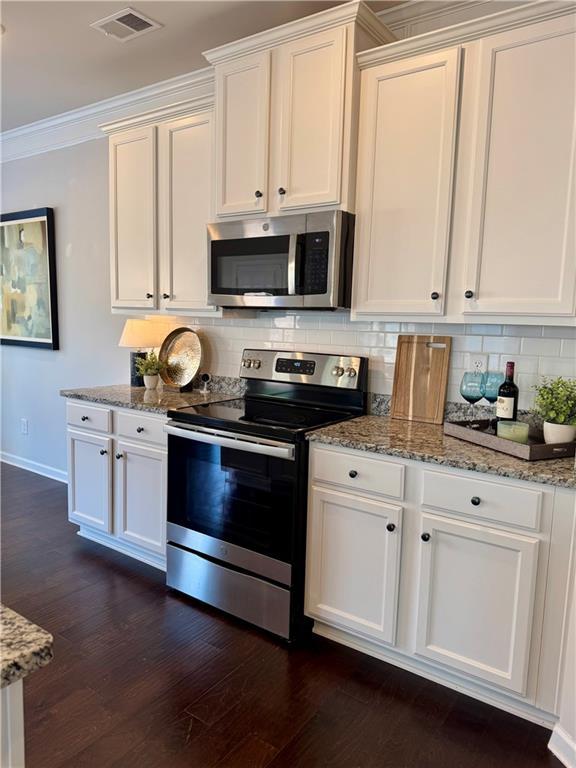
<point>28,287</point>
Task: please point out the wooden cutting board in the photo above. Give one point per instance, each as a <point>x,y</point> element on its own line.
<point>420,378</point>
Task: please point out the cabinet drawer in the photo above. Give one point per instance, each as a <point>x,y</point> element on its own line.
<point>89,417</point>
<point>484,500</point>
<point>145,429</point>
<point>358,472</point>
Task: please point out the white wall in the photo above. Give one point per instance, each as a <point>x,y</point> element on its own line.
<point>73,181</point>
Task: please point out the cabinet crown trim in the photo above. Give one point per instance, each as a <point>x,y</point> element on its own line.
<point>169,112</point>
<point>467,31</point>
<point>355,11</point>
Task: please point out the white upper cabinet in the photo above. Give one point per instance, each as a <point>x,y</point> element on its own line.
<point>312,76</point>
<point>521,251</point>
<point>132,169</point>
<point>404,197</point>
<point>161,188</point>
<point>287,112</point>
<point>243,114</point>
<point>185,173</point>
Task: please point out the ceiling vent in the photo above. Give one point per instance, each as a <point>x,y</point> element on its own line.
<point>125,25</point>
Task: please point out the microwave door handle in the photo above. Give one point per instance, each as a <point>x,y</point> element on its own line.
<point>238,444</point>
<point>292,264</point>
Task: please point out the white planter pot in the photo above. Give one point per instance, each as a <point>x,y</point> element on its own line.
<point>558,433</point>
<point>151,382</point>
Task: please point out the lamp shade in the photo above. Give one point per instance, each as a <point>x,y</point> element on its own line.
<point>142,334</point>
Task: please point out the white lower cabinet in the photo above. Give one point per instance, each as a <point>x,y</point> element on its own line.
<point>353,561</point>
<point>140,496</point>
<point>475,599</point>
<point>456,575</point>
<point>117,487</point>
<point>89,481</point>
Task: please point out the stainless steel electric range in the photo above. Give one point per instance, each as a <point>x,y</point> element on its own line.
<point>237,484</point>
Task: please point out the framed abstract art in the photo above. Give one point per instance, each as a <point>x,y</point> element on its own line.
<point>28,279</point>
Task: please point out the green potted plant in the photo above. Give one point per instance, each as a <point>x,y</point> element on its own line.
<point>149,367</point>
<point>556,404</point>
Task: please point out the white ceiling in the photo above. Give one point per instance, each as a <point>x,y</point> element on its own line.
<point>53,61</point>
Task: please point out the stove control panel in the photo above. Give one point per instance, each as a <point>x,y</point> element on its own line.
<point>342,371</point>
<point>302,367</point>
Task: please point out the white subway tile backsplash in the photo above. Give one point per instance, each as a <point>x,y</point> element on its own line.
<point>484,330</point>
<point>524,331</point>
<point>568,348</point>
<point>548,347</point>
<point>559,332</point>
<point>501,344</point>
<point>557,366</point>
<point>536,351</point>
<point>467,343</point>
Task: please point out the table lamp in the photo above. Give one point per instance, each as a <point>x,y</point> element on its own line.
<point>140,335</point>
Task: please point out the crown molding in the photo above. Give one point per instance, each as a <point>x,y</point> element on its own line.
<point>439,12</point>
<point>189,92</point>
<point>353,12</point>
<point>459,34</point>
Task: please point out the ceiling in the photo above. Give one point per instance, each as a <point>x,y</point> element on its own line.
<point>53,61</point>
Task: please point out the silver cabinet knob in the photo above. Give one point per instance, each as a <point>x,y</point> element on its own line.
<point>247,363</point>
<point>351,372</point>
<point>337,370</point>
<point>256,363</point>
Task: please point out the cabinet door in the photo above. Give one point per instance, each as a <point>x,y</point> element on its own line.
<point>521,242</point>
<point>353,560</point>
<point>405,171</point>
<point>312,78</point>
<point>185,177</point>
<point>140,496</point>
<point>242,123</point>
<point>132,178</point>
<point>89,480</point>
<point>475,600</point>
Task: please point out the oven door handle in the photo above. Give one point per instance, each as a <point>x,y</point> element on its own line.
<point>266,448</point>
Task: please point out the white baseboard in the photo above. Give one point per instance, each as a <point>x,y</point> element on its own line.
<point>563,746</point>
<point>443,677</point>
<point>34,466</point>
<point>150,558</point>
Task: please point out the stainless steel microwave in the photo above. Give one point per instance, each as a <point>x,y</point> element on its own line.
<point>303,260</point>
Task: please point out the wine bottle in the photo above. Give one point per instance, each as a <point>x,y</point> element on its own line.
<point>507,403</point>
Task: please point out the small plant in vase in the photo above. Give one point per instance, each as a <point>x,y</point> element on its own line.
<point>149,367</point>
<point>556,404</point>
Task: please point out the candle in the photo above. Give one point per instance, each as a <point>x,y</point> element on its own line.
<point>513,430</point>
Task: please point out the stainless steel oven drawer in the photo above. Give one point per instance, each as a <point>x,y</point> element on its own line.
<point>247,597</point>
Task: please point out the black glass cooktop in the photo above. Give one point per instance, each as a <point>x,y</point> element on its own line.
<point>288,421</point>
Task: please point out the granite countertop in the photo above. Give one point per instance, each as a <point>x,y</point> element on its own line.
<point>140,399</point>
<point>24,647</point>
<point>427,442</point>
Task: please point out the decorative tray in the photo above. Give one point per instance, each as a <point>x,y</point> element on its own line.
<point>482,433</point>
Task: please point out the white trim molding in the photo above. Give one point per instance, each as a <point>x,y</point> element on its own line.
<point>188,92</point>
<point>355,11</point>
<point>34,466</point>
<point>458,34</point>
<point>563,746</point>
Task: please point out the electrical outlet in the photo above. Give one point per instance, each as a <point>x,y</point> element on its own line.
<point>24,426</point>
<point>477,362</point>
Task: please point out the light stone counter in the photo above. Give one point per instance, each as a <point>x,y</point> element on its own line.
<point>427,442</point>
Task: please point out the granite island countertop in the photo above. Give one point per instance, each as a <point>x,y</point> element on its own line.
<point>140,399</point>
<point>427,442</point>
<point>24,647</point>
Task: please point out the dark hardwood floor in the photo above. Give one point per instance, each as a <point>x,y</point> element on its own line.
<point>143,678</point>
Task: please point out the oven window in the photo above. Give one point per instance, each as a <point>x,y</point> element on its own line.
<point>250,265</point>
<point>243,498</point>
